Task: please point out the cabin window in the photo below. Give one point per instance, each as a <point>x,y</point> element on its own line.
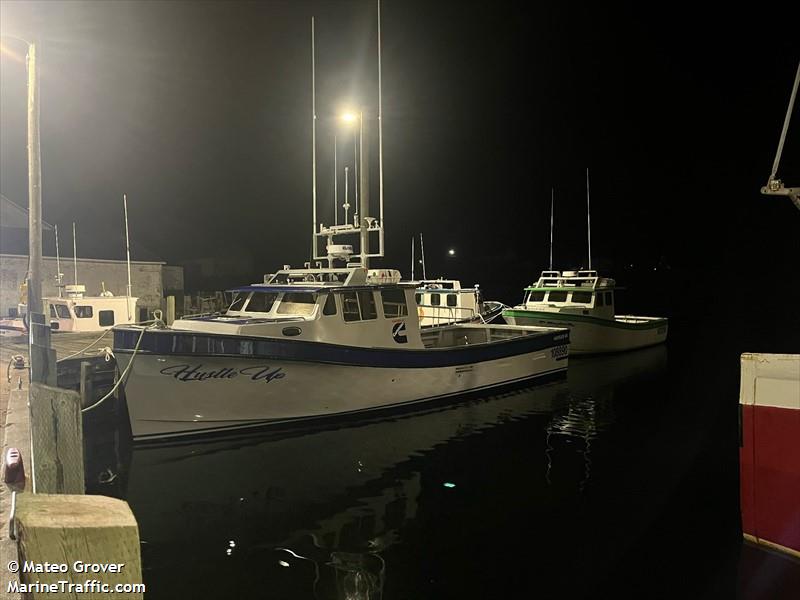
<point>237,303</point>
<point>436,299</point>
<point>52,312</point>
<point>582,297</point>
<point>536,297</point>
<point>261,302</point>
<point>394,303</point>
<point>557,297</point>
<point>330,305</point>
<point>599,300</point>
<point>106,317</point>
<point>418,298</point>
<point>350,307</point>
<point>84,312</point>
<point>609,299</point>
<point>366,302</point>
<point>297,303</point>
<point>452,300</point>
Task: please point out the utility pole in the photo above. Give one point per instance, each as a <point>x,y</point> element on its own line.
<point>34,188</point>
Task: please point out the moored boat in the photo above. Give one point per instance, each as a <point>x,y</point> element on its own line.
<point>313,343</point>
<point>583,302</point>
<point>444,302</point>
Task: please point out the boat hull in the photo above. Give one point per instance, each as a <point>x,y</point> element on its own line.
<point>592,335</point>
<point>170,393</point>
<point>769,453</point>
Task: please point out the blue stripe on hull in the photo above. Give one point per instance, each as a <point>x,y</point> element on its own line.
<point>381,411</point>
<point>174,343</point>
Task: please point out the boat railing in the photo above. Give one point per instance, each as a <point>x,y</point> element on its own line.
<point>447,314</point>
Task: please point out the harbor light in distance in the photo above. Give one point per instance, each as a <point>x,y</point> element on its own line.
<point>451,252</point>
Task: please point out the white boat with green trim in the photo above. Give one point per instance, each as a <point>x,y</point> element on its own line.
<point>584,303</point>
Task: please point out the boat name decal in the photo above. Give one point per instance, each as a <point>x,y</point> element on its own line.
<point>198,373</point>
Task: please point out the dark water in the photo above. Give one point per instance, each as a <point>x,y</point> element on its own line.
<point>621,481</point>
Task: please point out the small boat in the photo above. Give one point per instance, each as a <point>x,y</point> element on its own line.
<point>312,343</point>
<point>444,302</point>
<point>77,312</point>
<point>584,303</point>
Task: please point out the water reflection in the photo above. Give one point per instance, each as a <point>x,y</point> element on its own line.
<point>311,513</point>
<point>593,384</point>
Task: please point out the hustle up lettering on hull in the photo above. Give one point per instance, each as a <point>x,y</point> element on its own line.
<point>187,373</point>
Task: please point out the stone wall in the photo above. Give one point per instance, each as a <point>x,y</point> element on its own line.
<point>146,279</point>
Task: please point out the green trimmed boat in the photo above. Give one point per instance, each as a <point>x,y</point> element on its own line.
<point>584,303</point>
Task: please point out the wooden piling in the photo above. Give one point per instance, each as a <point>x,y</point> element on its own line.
<point>74,531</point>
<point>56,440</point>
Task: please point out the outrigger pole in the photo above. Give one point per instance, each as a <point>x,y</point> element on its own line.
<point>74,253</point>
<point>59,275</point>
<point>588,220</point>
<point>128,255</point>
<point>552,204</point>
<point>774,185</point>
<point>313,146</point>
<point>380,133</point>
<point>412,258</point>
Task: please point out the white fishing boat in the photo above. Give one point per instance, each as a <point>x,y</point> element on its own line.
<point>78,312</point>
<point>319,342</point>
<point>583,302</point>
<point>314,343</point>
<point>444,302</point>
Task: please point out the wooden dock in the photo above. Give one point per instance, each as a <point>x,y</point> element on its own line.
<point>86,357</point>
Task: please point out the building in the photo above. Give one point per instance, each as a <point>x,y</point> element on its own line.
<point>151,280</point>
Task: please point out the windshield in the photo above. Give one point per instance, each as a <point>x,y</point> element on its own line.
<point>238,302</point>
<point>261,302</point>
<point>297,303</point>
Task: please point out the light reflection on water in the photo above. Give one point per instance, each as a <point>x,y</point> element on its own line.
<point>318,512</point>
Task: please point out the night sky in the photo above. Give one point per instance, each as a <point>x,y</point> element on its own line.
<point>200,111</point>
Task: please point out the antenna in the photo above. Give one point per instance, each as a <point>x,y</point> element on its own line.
<point>380,131</point>
<point>775,186</point>
<point>422,251</point>
<point>59,274</point>
<point>335,185</point>
<point>552,204</point>
<point>346,203</point>
<point>313,144</point>
<point>588,220</point>
<point>128,253</point>
<point>74,253</point>
<point>412,258</point>
<point>355,167</point>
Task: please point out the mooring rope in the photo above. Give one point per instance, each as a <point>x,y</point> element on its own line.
<point>124,373</point>
<point>105,333</point>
